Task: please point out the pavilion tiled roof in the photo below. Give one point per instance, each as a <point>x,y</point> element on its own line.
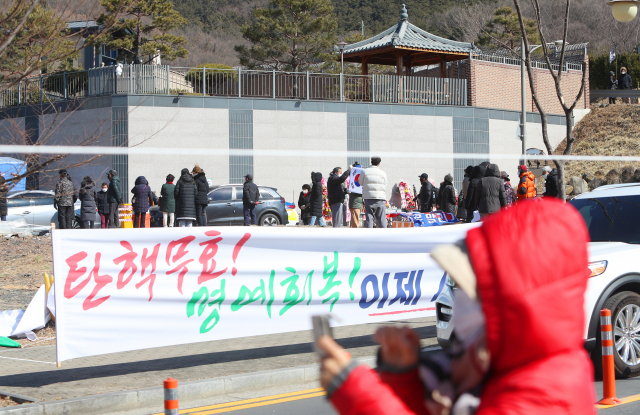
<point>405,34</point>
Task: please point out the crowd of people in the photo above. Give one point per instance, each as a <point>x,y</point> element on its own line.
<point>485,190</point>
<point>183,203</point>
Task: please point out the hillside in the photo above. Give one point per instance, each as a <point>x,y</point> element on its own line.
<point>610,131</point>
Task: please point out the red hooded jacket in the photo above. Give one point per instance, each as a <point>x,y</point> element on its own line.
<point>534,322</point>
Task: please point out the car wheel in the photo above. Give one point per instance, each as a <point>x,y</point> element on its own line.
<point>269,219</point>
<point>625,319</point>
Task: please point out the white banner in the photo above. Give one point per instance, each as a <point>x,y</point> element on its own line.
<point>354,180</point>
<point>130,289</point>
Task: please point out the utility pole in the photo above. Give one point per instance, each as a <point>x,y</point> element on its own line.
<point>523,116</point>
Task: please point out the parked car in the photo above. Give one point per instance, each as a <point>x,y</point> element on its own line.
<point>225,207</point>
<point>36,207</point>
<point>612,216</point>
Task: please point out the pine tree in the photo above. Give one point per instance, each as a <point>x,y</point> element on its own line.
<point>289,35</point>
<point>144,29</point>
<point>503,30</point>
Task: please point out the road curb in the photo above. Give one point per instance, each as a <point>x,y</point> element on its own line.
<point>187,391</point>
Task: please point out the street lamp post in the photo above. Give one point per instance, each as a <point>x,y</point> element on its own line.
<point>624,10</point>
<point>341,46</point>
<point>523,115</point>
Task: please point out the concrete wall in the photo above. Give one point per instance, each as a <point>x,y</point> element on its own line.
<point>296,130</point>
<point>411,134</point>
<point>180,129</point>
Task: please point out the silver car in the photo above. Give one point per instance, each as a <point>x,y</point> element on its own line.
<point>36,207</point>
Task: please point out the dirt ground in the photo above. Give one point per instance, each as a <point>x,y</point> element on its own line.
<point>7,402</point>
<point>23,262</point>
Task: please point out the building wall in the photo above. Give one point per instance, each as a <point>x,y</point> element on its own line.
<point>497,85</point>
<point>411,135</point>
<point>286,139</point>
<point>175,128</point>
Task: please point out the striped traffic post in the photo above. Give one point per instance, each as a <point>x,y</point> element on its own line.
<point>608,368</point>
<point>171,397</point>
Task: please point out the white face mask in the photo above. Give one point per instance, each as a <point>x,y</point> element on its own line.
<point>104,190</point>
<point>623,72</point>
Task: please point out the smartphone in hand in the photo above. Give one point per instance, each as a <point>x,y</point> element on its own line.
<point>321,327</point>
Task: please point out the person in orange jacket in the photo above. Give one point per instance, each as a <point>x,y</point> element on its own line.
<point>503,344</point>
<point>527,185</point>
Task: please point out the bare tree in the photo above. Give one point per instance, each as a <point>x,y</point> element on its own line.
<point>58,128</point>
<point>557,79</point>
<point>34,35</point>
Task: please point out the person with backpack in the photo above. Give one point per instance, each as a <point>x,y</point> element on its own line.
<point>102,204</point>
<point>64,199</point>
<point>186,193</point>
<point>448,199</point>
<point>168,202</point>
<point>87,196</point>
<point>509,193</point>
<point>142,200</point>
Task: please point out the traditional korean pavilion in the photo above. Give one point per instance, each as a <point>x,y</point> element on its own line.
<point>407,46</point>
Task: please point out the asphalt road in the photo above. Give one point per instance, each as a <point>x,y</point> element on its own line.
<point>314,402</point>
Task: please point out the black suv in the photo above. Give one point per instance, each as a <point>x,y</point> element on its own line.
<point>225,207</point>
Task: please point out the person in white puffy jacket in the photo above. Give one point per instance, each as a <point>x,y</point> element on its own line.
<point>374,194</point>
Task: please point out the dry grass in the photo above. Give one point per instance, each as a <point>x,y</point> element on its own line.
<point>610,131</point>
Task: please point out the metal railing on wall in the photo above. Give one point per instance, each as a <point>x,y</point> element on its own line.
<point>166,80</point>
<point>515,61</point>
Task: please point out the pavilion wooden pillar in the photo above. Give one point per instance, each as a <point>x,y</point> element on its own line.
<point>443,67</point>
<point>365,65</point>
<point>409,64</point>
<point>399,63</point>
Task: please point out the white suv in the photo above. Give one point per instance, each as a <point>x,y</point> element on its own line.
<point>612,215</point>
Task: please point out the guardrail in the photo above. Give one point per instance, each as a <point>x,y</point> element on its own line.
<point>166,80</point>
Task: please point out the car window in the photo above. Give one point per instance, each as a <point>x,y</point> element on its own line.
<point>611,219</point>
<point>266,193</point>
<point>224,193</point>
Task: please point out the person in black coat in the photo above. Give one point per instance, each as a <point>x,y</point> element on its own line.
<point>624,82</point>
<point>490,193</point>
<point>304,203</point>
<point>102,203</point>
<point>551,183</point>
<point>425,197</point>
<point>471,202</point>
<point>250,198</point>
<point>316,201</point>
<point>335,193</point>
<point>202,200</point>
<point>87,195</point>
<point>448,200</point>
<point>186,193</point>
<point>142,199</point>
<point>4,189</point>
<point>613,84</point>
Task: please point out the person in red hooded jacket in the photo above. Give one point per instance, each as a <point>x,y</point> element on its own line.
<point>525,347</point>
